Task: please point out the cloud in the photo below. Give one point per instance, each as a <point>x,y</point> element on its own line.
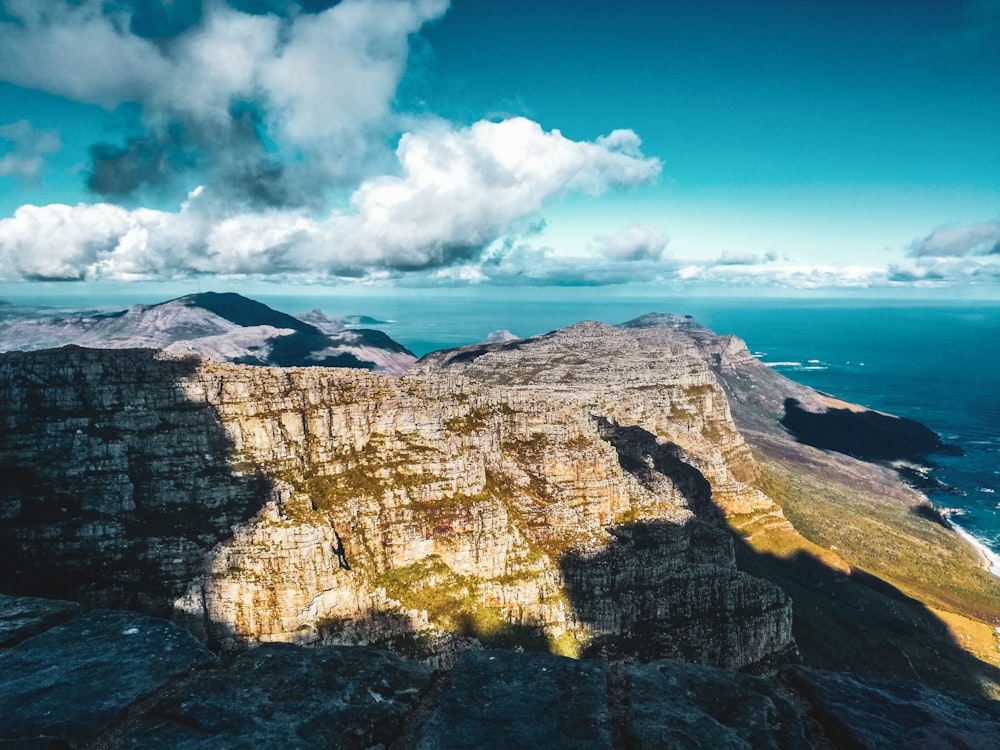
<point>785,276</point>
<point>318,86</point>
<point>25,157</point>
<point>954,241</point>
<point>730,258</point>
<point>459,190</point>
<point>637,241</point>
<point>946,271</point>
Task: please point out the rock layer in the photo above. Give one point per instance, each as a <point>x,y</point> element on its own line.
<point>321,505</point>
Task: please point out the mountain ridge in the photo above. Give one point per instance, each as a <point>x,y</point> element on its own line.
<point>620,493</point>
<point>219,325</point>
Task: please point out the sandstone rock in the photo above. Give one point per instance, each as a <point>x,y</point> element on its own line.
<point>503,699</point>
<point>24,616</point>
<point>889,714</point>
<point>281,696</point>
<point>73,681</point>
<point>314,505</point>
<point>674,705</point>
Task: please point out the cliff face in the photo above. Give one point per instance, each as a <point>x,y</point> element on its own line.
<point>656,377</point>
<point>340,506</point>
<point>575,492</point>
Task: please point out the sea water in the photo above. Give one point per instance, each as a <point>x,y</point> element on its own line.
<point>936,363</point>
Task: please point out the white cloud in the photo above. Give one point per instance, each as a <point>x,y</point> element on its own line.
<point>637,241</point>
<point>946,271</point>
<point>786,276</point>
<point>460,189</point>
<point>952,241</point>
<point>25,157</point>
<point>320,84</point>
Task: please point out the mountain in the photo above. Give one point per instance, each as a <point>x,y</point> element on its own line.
<point>222,326</point>
<point>626,494</point>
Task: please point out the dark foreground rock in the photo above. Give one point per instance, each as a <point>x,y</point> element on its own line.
<point>671,704</point>
<point>890,714</point>
<point>279,695</point>
<point>504,699</point>
<point>75,680</point>
<point>24,616</point>
<point>108,680</point>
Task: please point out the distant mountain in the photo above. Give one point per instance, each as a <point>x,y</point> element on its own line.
<point>221,326</point>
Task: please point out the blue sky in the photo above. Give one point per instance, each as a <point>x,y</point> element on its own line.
<point>765,147</point>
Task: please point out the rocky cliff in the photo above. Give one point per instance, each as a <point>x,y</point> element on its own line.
<point>575,492</point>
<point>329,505</point>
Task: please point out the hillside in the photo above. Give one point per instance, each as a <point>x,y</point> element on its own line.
<point>222,326</point>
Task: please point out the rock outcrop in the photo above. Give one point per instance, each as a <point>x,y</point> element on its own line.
<point>120,680</point>
<point>315,505</point>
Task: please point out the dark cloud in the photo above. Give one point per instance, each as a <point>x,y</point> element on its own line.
<point>119,172</point>
<point>231,156</point>
<point>282,8</point>
<point>959,241</point>
<point>912,274</point>
<point>162,19</point>
<point>729,258</point>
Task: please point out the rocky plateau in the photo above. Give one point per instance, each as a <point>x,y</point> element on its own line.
<point>626,494</point>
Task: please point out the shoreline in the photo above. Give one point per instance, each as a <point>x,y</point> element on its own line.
<point>987,557</point>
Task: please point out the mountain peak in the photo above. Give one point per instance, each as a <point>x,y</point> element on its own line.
<point>664,320</point>
<point>243,311</point>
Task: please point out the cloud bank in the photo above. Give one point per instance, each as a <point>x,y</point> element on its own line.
<point>276,110</point>
<point>268,103</point>
<point>459,190</point>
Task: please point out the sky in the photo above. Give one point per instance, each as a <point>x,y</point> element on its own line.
<point>764,148</point>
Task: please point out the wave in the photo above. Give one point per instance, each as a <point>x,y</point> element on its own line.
<point>988,554</point>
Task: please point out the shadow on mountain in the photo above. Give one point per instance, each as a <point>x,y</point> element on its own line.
<point>659,467</point>
<point>395,632</point>
<point>868,435</point>
<point>116,483</point>
<point>672,590</point>
<point>861,624</point>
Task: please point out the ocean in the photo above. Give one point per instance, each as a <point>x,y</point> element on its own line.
<point>936,363</point>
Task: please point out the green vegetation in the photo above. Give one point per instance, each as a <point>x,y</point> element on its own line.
<point>454,604</point>
<point>475,420</point>
<point>877,588</point>
<point>885,537</point>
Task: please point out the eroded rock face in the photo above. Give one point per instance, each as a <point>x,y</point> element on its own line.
<point>316,505</point>
<point>653,376</point>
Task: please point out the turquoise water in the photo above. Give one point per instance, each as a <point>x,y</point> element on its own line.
<point>936,363</point>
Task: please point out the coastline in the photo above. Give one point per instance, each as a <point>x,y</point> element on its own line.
<point>989,559</point>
